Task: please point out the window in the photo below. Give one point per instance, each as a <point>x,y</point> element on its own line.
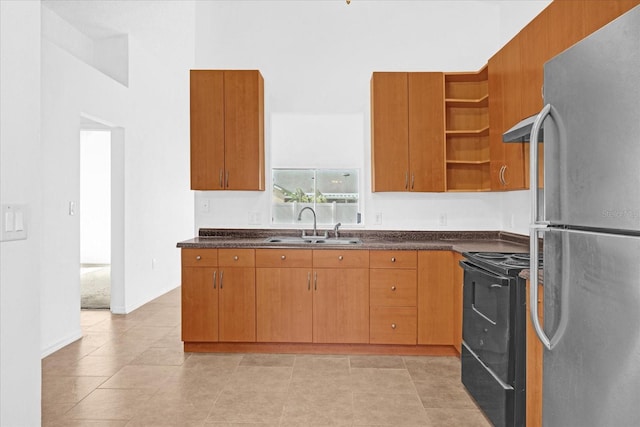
<point>332,193</point>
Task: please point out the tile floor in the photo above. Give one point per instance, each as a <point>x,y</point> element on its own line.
<point>130,370</point>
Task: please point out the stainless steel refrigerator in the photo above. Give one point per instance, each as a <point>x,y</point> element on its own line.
<point>590,225</point>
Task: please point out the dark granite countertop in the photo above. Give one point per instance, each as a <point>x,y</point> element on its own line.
<point>459,241</point>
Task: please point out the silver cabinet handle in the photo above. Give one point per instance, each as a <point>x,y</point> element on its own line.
<point>221,273</point>
<point>393,288</point>
<point>340,258</point>
<point>214,279</point>
<point>309,281</point>
<point>235,258</point>
<point>393,259</point>
<point>413,180</point>
<point>198,258</point>
<point>501,175</point>
<point>283,257</point>
<point>315,281</point>
<point>393,326</point>
<point>220,178</point>
<point>406,180</point>
<point>226,182</point>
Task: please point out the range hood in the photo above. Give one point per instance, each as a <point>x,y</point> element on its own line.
<point>521,132</point>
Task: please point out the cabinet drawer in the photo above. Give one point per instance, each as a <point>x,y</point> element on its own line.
<point>341,259</point>
<point>236,257</point>
<point>283,258</point>
<point>393,325</point>
<point>199,257</point>
<point>396,288</point>
<point>393,259</point>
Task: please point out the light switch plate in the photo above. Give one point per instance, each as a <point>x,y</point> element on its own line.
<point>13,222</point>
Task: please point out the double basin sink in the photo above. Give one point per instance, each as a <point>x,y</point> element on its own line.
<point>312,240</point>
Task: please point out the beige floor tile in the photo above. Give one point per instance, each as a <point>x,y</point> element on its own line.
<point>281,360</point>
<point>433,367</point>
<point>53,412</point>
<point>233,406</point>
<point>161,356</point>
<point>321,374</point>
<point>384,381</point>
<point>318,408</point>
<point>143,377</point>
<point>86,423</point>
<point>259,379</point>
<point>398,410</point>
<point>57,389</point>
<point>390,362</point>
<point>444,394</point>
<point>456,417</point>
<point>109,404</point>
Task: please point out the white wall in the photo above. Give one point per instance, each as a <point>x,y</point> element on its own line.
<point>20,182</point>
<point>153,112</point>
<point>317,59</point>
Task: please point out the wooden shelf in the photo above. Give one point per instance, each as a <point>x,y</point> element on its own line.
<point>468,103</point>
<point>469,132</point>
<point>468,162</point>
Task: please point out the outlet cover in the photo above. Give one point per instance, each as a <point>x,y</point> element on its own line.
<point>378,218</point>
<point>442,220</point>
<point>13,222</point>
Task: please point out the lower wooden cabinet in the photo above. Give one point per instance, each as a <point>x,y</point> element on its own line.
<point>341,302</point>
<point>321,297</point>
<point>284,295</point>
<point>435,298</point>
<point>393,287</point>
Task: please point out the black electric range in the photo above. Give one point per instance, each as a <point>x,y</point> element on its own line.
<point>494,334</point>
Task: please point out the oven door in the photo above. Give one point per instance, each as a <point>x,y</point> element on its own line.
<point>487,320</point>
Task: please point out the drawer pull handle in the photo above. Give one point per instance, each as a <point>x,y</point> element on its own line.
<point>235,258</point>
<point>198,258</point>
<point>393,288</point>
<point>340,257</point>
<point>393,326</point>
<point>283,257</point>
<point>393,259</point>
<point>221,277</point>
<point>214,279</point>
<point>309,281</point>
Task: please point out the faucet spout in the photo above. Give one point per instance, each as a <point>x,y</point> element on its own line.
<point>335,229</point>
<point>315,230</point>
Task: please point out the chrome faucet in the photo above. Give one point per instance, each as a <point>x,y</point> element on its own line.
<point>335,229</point>
<point>315,230</point>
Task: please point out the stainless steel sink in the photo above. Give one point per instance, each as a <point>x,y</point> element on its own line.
<point>309,240</point>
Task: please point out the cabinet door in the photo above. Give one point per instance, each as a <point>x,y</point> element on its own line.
<point>505,98</point>
<point>244,130</point>
<point>426,132</point>
<point>199,304</point>
<point>458,282</point>
<point>237,305</point>
<point>598,13</point>
<point>207,129</point>
<point>389,132</point>
<point>435,298</point>
<point>284,304</point>
<point>341,305</point>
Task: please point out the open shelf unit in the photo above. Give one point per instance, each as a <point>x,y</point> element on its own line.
<point>467,131</point>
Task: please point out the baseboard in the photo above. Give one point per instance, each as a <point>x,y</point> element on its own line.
<point>118,310</point>
<point>62,343</point>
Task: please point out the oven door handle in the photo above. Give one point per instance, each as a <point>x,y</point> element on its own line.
<point>502,281</point>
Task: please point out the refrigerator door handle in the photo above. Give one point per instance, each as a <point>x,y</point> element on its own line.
<point>539,225</point>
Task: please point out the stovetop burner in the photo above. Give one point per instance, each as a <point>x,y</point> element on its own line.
<point>504,263</point>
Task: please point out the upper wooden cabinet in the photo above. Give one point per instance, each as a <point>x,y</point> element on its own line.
<point>407,131</point>
<point>467,131</point>
<point>227,130</point>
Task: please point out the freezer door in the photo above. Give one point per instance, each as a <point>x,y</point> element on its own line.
<point>592,375</point>
<point>592,178</point>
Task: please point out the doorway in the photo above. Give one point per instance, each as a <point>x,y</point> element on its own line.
<point>95,218</point>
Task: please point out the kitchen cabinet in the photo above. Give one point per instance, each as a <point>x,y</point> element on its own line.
<point>227,130</point>
<point>467,131</point>
<point>534,365</point>
<point>393,297</point>
<point>284,295</point>
<point>435,298</point>
<point>407,131</point>
<point>458,285</point>
<point>199,295</point>
<point>341,296</point>
<point>237,295</point>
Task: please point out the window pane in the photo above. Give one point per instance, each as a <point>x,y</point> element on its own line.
<point>332,193</point>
